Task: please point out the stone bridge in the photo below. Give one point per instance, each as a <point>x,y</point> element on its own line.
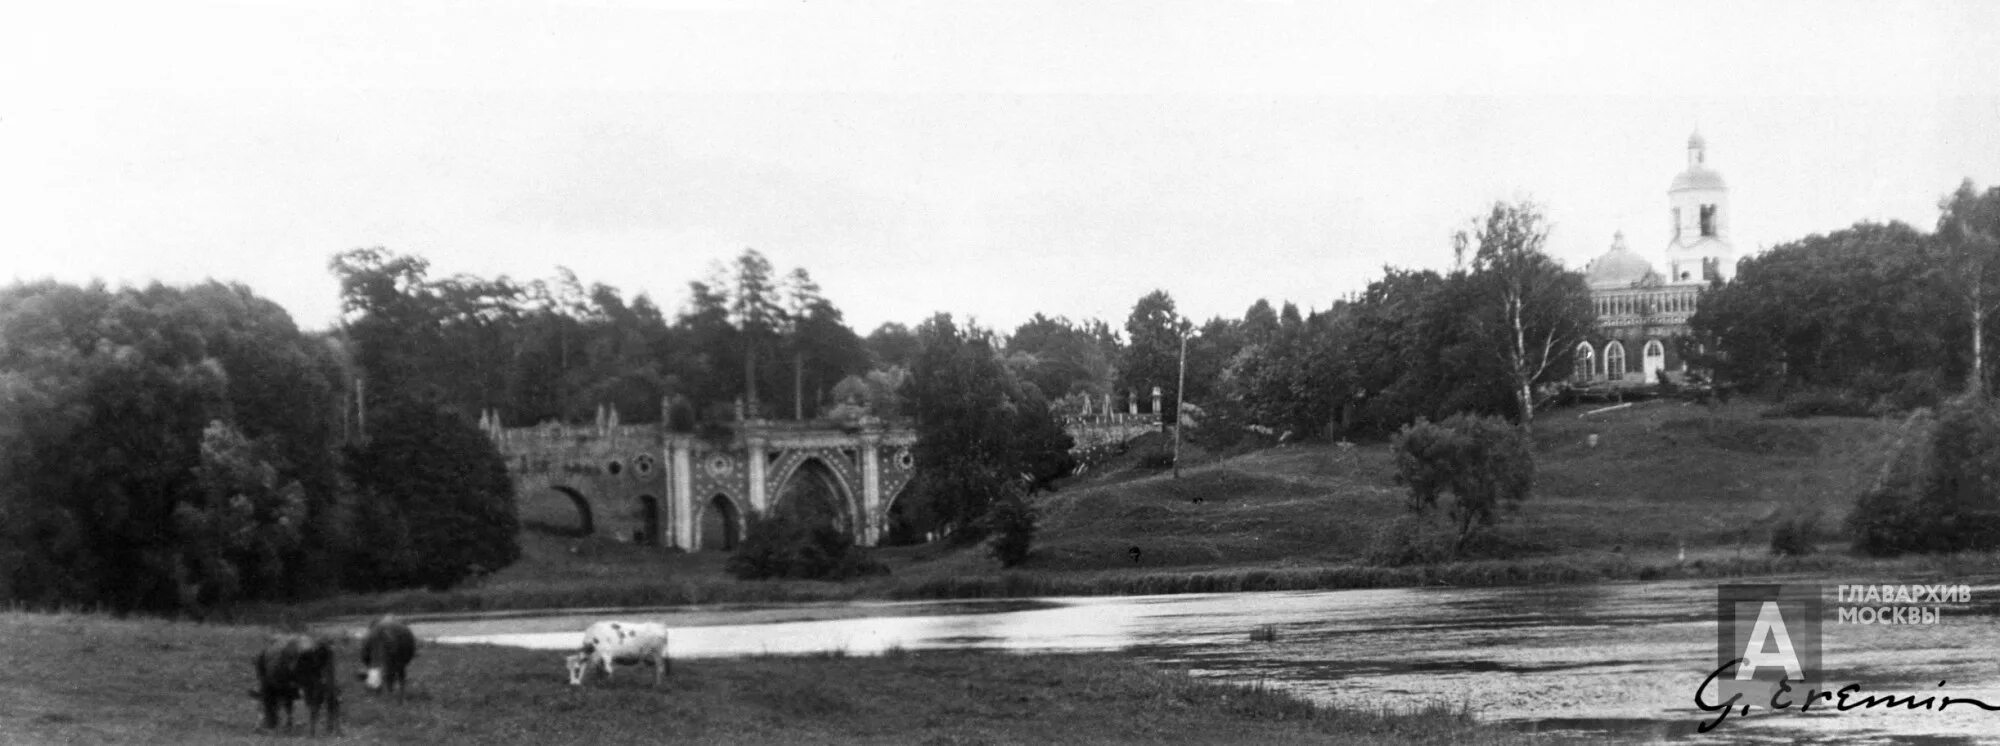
<point>645,484</point>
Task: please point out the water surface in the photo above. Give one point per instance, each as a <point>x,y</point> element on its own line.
<point>1618,660</point>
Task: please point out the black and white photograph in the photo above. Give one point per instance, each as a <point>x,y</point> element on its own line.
<point>1087,372</point>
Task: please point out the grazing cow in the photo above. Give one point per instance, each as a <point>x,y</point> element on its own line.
<point>608,643</point>
<point>295,665</point>
<point>386,651</point>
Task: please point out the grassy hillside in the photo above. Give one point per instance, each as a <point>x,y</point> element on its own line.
<point>1661,474</point>
<point>1664,478</point>
<point>90,679</point>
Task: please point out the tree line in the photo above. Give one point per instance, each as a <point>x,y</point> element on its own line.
<point>182,448</point>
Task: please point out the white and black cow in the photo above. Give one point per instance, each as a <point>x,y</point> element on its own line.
<point>293,665</point>
<point>609,643</point>
<point>386,650</point>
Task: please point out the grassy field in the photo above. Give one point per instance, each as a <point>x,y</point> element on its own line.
<point>1669,491</point>
<point>92,679</point>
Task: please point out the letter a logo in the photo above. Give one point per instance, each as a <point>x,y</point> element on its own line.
<point>1770,634</point>
<point>1770,628</point>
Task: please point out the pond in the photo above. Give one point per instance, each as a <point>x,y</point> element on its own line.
<point>1621,660</point>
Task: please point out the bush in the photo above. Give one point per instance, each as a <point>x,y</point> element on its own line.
<point>783,547</point>
<point>1409,540</point>
<point>1482,461</point>
<point>1905,392</point>
<point>1940,491</point>
<point>1796,536</point>
<point>1156,459</point>
<point>1013,524</point>
<point>1820,403</point>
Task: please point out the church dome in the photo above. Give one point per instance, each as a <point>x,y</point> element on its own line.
<point>1618,268</point>
<point>1697,177</point>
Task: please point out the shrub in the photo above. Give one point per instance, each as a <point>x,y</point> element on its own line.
<point>1013,525</point>
<point>1482,461</point>
<point>1796,536</point>
<point>1940,491</point>
<point>1820,403</point>
<point>1156,459</point>
<point>783,547</point>
<point>1409,540</point>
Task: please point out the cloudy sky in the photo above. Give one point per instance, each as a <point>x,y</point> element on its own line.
<point>989,159</point>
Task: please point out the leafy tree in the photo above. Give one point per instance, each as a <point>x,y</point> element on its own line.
<point>107,399</point>
<point>893,345</point>
<point>1260,323</point>
<point>1041,447</point>
<point>979,431</point>
<point>1013,527</point>
<point>1061,357</point>
<point>236,537</point>
<point>1941,489</point>
<point>1535,310</point>
<point>965,427</point>
<point>1968,247</point>
<point>437,493</point>
<point>1152,358</point>
<point>1853,309</point>
<point>1481,461</point>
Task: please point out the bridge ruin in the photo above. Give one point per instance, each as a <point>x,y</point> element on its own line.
<point>697,492</point>
<point>686,491</point>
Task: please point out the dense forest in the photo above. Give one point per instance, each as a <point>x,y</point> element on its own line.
<point>172,448</point>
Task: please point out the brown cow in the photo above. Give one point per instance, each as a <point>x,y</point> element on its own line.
<point>295,665</point>
<point>386,651</point>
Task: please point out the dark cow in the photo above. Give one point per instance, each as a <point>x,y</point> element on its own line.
<point>291,666</point>
<point>386,651</point>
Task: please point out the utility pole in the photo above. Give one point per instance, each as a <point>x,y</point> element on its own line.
<point>1179,389</point>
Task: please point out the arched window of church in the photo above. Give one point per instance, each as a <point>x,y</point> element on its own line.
<point>1614,361</point>
<point>1655,352</point>
<point>1677,224</point>
<point>1707,220</point>
<point>1586,362</point>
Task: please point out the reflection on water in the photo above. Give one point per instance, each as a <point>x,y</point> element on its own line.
<point>1622,660</point>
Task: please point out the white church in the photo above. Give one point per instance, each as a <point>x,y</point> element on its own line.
<point>1642,311</point>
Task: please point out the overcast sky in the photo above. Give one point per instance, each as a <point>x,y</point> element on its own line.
<point>991,160</point>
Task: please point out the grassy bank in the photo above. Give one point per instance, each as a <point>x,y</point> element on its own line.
<point>89,679</point>
<point>1668,491</point>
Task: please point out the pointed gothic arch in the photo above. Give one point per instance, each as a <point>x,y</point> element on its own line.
<point>720,525</point>
<point>1585,366</point>
<point>814,491</point>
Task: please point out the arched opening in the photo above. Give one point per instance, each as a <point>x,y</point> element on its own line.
<point>902,526</point>
<point>558,510</point>
<point>649,519</point>
<point>1653,360</point>
<point>719,526</point>
<point>1614,361</point>
<point>1586,363</point>
<point>814,496</point>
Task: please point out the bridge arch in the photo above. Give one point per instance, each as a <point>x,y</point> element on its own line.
<point>814,491</point>
<point>586,522</point>
<point>649,521</point>
<point>720,524</point>
<point>899,521</point>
